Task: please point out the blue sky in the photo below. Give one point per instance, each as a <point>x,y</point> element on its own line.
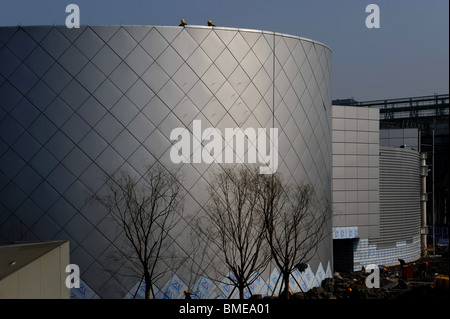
<point>407,56</point>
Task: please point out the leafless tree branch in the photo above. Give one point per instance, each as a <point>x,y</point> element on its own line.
<point>146,210</point>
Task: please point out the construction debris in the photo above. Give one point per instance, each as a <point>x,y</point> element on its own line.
<point>428,279</point>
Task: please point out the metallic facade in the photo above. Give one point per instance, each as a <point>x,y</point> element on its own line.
<point>76,103</point>
<point>400,211</point>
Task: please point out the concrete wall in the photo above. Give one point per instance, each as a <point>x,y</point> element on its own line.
<point>42,278</point>
<point>355,171</point>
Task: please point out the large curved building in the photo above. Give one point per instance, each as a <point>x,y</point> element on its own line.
<point>76,103</point>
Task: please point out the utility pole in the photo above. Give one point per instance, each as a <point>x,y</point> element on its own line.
<point>423,202</point>
<point>434,219</point>
<point>424,230</point>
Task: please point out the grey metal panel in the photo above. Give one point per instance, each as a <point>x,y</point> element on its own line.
<point>43,162</point>
<point>12,197</point>
<point>91,111</point>
<point>42,129</point>
<point>9,62</point>
<point>75,128</point>
<point>108,127</point>
<point>55,43</point>
<point>40,95</point>
<point>11,163</point>
<point>62,212</point>
<point>81,257</point>
<point>59,145</point>
<point>45,228</point>
<point>139,94</point>
<point>94,177</point>
<point>24,113</point>
<point>110,160</point>
<point>155,77</point>
<point>125,144</point>
<point>141,127</point>
<point>91,77</point>
<point>124,110</point>
<point>58,112</point>
<point>399,195</point>
<point>23,78</point>
<point>96,242</point>
<point>107,94</point>
<point>73,60</point>
<point>92,144</point>
<point>226,63</point>
<point>74,94</point>
<point>105,32</point>
<point>26,146</point>
<point>170,61</point>
<point>57,78</point>
<point>89,43</point>
<point>21,44</point>
<point>122,43</point>
<point>28,179</point>
<point>123,77</point>
<point>44,195</point>
<point>28,212</point>
<point>106,60</point>
<point>78,195</point>
<point>76,161</point>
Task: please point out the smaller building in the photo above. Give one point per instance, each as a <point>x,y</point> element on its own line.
<point>34,270</point>
<point>376,191</point>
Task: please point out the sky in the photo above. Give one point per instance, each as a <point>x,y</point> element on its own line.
<point>407,56</point>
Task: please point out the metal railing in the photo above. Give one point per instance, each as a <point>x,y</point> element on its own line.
<point>412,107</point>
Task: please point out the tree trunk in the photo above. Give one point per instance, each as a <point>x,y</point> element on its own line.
<point>241,292</point>
<point>286,286</point>
<point>148,287</point>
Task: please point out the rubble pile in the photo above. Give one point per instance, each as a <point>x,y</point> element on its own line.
<point>392,284</point>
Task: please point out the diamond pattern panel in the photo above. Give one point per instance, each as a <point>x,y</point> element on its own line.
<point>76,104</point>
<point>21,44</point>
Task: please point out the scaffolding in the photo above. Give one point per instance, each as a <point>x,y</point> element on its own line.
<point>412,107</point>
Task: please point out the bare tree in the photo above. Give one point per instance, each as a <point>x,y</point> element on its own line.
<point>234,226</point>
<point>295,218</point>
<point>146,210</point>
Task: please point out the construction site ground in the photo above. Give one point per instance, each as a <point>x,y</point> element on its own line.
<point>392,285</point>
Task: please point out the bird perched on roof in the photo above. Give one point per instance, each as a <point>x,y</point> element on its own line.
<point>211,24</point>
<point>183,23</point>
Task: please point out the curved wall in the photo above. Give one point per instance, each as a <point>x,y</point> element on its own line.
<point>399,215</point>
<point>75,103</point>
<point>400,212</point>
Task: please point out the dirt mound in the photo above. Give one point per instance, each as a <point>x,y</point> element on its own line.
<point>392,286</point>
